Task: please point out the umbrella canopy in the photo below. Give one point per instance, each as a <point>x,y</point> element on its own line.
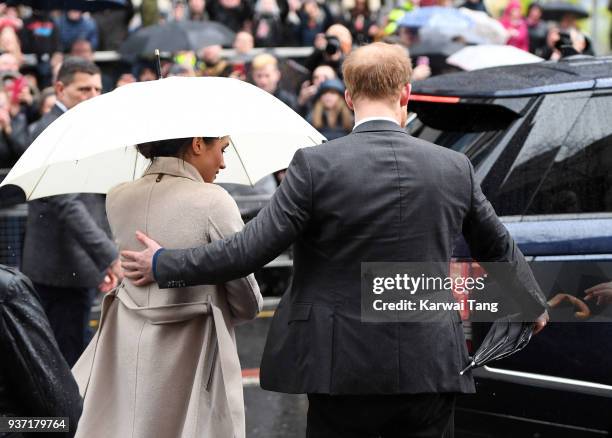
<point>437,51</point>
<point>490,55</point>
<point>436,17</point>
<point>555,11</point>
<point>506,336</point>
<point>176,36</point>
<point>79,5</point>
<point>90,147</point>
<point>488,29</point>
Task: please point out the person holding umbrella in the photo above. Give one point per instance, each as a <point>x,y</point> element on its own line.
<point>362,379</point>
<point>167,359</point>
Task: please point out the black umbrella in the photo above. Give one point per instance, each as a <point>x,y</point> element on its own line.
<point>79,5</point>
<point>506,336</point>
<point>176,36</point>
<point>557,10</point>
<point>436,50</point>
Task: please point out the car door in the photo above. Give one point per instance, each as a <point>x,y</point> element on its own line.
<point>559,193</point>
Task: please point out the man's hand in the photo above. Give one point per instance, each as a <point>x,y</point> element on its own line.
<point>541,322</point>
<point>602,291</point>
<point>138,266</point>
<point>112,278</point>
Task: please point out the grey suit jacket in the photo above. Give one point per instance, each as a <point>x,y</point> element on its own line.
<point>67,241</point>
<point>375,195</point>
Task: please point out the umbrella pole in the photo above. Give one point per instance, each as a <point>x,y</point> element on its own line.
<point>467,368</point>
<point>158,64</point>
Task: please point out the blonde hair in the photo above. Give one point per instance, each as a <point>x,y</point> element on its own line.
<point>263,60</point>
<point>377,71</point>
<point>341,111</point>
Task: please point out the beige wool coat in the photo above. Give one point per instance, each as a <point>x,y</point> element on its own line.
<point>163,363</point>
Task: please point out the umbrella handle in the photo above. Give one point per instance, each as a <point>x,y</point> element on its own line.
<point>158,64</point>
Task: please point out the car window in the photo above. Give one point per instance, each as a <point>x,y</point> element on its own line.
<point>580,175</point>
<point>476,145</point>
<point>556,128</point>
<point>472,129</point>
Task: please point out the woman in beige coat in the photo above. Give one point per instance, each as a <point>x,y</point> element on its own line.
<point>163,363</point>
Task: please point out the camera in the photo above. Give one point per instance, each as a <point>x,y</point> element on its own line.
<point>333,45</point>
<point>565,40</point>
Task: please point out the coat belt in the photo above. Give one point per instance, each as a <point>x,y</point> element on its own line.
<point>228,355</point>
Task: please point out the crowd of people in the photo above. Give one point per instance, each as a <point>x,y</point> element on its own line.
<point>313,89</point>
<point>70,268</point>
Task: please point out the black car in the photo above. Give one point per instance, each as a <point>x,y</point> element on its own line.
<point>540,139</point>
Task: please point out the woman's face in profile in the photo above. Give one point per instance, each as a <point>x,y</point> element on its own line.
<point>210,161</point>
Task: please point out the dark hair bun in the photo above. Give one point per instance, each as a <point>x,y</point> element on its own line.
<point>173,147</point>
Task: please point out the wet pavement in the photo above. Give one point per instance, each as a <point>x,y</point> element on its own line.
<point>268,414</point>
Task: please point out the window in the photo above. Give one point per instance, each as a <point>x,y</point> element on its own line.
<point>568,171</point>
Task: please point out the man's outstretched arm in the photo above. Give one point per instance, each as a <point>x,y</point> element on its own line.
<point>491,244</point>
<point>262,239</point>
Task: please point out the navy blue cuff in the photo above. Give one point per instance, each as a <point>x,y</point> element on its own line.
<point>154,262</point>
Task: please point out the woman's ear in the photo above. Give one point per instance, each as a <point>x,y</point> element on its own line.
<point>197,144</point>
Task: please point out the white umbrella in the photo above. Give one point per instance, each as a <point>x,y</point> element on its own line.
<point>490,55</point>
<point>90,147</point>
<point>488,29</point>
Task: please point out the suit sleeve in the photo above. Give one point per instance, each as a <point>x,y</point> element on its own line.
<point>275,228</point>
<point>243,294</point>
<point>73,213</point>
<point>492,245</point>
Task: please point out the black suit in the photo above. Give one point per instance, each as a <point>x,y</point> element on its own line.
<point>66,251</point>
<point>375,195</point>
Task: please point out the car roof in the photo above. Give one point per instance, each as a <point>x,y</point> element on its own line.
<point>571,74</point>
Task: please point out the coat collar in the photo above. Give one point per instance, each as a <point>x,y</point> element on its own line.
<point>175,167</point>
<point>57,110</point>
<point>378,125</point>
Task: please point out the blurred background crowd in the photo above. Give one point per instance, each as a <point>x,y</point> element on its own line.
<point>244,39</point>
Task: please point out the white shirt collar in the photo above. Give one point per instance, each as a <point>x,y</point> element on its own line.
<point>61,106</point>
<point>369,119</point>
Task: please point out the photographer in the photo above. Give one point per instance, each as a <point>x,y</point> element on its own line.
<point>331,49</point>
<point>563,43</point>
<point>314,19</point>
<point>267,24</point>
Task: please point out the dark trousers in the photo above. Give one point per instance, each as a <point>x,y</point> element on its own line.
<point>386,416</point>
<point>68,310</point>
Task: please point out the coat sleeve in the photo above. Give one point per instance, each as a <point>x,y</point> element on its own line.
<point>243,294</point>
<point>492,245</point>
<point>41,379</point>
<point>73,213</point>
<point>275,228</point>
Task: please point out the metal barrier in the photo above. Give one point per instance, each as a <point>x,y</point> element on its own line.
<point>274,278</point>
<point>12,232</point>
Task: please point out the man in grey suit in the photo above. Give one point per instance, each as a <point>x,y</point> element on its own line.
<point>68,252</point>
<point>376,195</point>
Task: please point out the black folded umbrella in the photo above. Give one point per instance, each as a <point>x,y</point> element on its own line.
<point>557,10</point>
<point>506,336</point>
<point>176,36</point>
<point>65,5</point>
